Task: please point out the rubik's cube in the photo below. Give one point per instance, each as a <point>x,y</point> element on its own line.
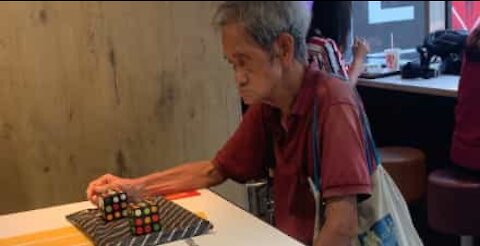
<point>144,218</point>
<point>114,205</point>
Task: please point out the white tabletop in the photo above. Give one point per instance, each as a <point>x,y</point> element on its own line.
<point>232,225</point>
<point>444,85</point>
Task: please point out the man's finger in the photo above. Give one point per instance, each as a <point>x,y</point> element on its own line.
<point>94,200</point>
<point>102,180</point>
<point>90,190</point>
<point>99,189</point>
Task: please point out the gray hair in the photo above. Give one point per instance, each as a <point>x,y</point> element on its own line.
<point>266,20</point>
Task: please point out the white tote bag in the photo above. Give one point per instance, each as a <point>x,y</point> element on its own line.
<point>384,219</point>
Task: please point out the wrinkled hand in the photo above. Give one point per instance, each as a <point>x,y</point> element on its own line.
<point>360,48</point>
<point>134,188</point>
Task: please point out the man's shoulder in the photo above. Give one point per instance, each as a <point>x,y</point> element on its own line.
<point>334,89</point>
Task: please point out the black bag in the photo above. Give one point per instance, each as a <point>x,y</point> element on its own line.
<point>449,46</point>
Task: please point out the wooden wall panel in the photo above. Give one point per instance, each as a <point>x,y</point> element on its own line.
<point>94,87</point>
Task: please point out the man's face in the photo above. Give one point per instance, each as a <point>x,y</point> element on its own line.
<point>257,72</point>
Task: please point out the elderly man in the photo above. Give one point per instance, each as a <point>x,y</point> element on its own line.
<point>265,44</point>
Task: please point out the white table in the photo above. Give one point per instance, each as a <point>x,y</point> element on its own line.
<point>232,225</point>
<point>444,85</point>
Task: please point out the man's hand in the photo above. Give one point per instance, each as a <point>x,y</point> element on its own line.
<point>133,187</point>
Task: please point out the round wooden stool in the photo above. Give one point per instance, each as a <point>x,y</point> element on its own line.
<point>407,167</point>
<point>453,202</point>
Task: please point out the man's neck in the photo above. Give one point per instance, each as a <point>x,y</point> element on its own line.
<point>285,94</point>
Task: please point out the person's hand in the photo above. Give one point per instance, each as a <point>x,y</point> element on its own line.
<point>360,49</point>
<point>133,187</point>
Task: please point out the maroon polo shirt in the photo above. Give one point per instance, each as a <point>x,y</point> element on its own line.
<point>260,139</point>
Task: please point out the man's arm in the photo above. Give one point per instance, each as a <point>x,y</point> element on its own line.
<point>240,159</point>
<point>182,178</point>
<point>341,222</point>
<point>185,177</point>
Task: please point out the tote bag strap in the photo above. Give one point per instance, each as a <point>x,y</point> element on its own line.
<point>371,152</point>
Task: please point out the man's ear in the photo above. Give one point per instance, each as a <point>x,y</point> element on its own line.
<point>285,48</point>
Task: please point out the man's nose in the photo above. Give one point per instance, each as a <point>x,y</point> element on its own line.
<point>240,78</point>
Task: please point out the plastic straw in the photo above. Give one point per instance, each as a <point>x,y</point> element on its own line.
<point>391,40</point>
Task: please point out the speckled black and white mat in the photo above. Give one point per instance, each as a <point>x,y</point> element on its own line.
<point>177,223</point>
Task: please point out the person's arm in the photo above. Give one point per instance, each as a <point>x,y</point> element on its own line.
<point>241,158</point>
<point>185,177</point>
<point>189,176</point>
<point>356,68</point>
<point>360,49</point>
<point>340,226</point>
<point>344,173</point>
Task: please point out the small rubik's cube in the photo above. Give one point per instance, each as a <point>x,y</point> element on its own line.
<point>144,218</point>
<point>114,205</point>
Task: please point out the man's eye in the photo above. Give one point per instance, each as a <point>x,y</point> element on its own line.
<point>238,66</point>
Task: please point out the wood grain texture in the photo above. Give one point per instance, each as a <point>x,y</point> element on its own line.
<point>94,87</point>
